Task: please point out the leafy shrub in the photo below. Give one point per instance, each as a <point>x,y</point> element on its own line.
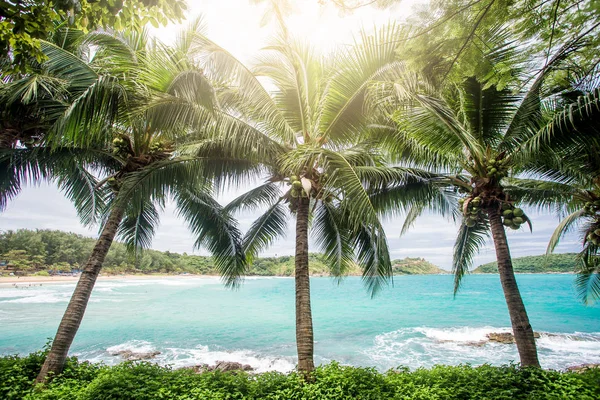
<point>145,381</point>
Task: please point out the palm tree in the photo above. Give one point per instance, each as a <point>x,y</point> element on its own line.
<point>29,106</point>
<point>309,135</point>
<point>141,163</point>
<point>473,133</point>
<point>570,141</point>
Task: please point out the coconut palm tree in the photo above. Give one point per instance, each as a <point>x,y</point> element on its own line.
<point>29,106</point>
<point>143,169</point>
<point>308,132</point>
<point>473,132</point>
<point>570,140</point>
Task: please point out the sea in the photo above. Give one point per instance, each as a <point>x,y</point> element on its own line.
<point>416,322</point>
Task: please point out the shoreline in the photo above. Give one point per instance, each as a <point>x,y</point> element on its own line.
<point>63,279</point>
<point>66,279</point>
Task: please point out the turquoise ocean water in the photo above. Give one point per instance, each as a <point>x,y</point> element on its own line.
<point>417,322</point>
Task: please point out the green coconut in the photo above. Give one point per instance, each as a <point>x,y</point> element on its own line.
<point>294,193</point>
<point>518,220</point>
<point>507,221</point>
<point>506,206</point>
<point>493,171</point>
<point>492,161</point>
<point>294,178</point>
<point>297,185</point>
<point>518,212</point>
<point>461,201</point>
<point>597,232</point>
<point>514,227</point>
<point>507,213</point>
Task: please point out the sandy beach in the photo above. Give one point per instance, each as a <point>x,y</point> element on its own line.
<point>59,279</point>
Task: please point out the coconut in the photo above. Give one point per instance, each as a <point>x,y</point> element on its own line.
<point>505,206</point>
<point>493,171</point>
<point>492,161</point>
<point>597,232</point>
<point>518,212</point>
<point>590,236</point>
<point>507,221</point>
<point>514,227</point>
<point>294,178</point>
<point>518,220</point>
<point>507,213</point>
<point>294,193</point>
<point>461,201</point>
<point>297,185</point>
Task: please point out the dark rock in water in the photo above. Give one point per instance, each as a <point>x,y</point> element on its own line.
<point>133,356</point>
<point>223,366</point>
<point>582,367</point>
<point>505,337</point>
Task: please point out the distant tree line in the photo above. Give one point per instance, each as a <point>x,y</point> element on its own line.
<point>40,250</point>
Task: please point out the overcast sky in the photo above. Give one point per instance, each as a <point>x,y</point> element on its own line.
<point>236,25</point>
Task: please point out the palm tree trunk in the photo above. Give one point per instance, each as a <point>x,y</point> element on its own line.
<point>522,329</point>
<point>304,328</point>
<point>71,320</point>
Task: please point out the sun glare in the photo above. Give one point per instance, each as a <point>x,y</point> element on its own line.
<point>238,25</point>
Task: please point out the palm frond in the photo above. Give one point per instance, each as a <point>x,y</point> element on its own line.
<point>139,223</point>
<point>467,245</point>
<point>563,227</point>
<point>334,239</point>
<point>263,195</point>
<point>216,230</point>
<point>587,283</point>
<point>265,229</point>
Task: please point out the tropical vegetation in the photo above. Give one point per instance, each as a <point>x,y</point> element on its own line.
<point>472,110</point>
<point>132,381</point>
<point>48,252</point>
<point>554,263</point>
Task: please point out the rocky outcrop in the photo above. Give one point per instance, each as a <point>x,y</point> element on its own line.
<point>222,366</point>
<point>133,356</point>
<point>505,337</point>
<point>582,367</point>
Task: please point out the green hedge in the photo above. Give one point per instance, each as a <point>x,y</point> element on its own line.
<point>144,381</point>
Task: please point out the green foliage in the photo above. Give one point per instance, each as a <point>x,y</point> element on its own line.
<point>415,266</point>
<point>24,23</point>
<point>133,381</point>
<point>551,263</point>
<point>61,251</point>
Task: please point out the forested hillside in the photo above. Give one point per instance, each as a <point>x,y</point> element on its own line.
<point>552,263</point>
<point>30,252</point>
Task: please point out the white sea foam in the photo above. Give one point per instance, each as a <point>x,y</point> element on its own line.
<point>40,296</point>
<point>179,357</point>
<point>135,346</point>
<point>425,346</point>
<point>464,334</point>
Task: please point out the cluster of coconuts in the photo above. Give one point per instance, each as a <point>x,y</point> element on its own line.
<point>593,235</point>
<point>592,207</point>
<point>297,189</point>
<point>497,168</point>
<point>305,187</point>
<point>120,146</point>
<point>472,213</point>
<point>512,217</point>
<point>157,147</point>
